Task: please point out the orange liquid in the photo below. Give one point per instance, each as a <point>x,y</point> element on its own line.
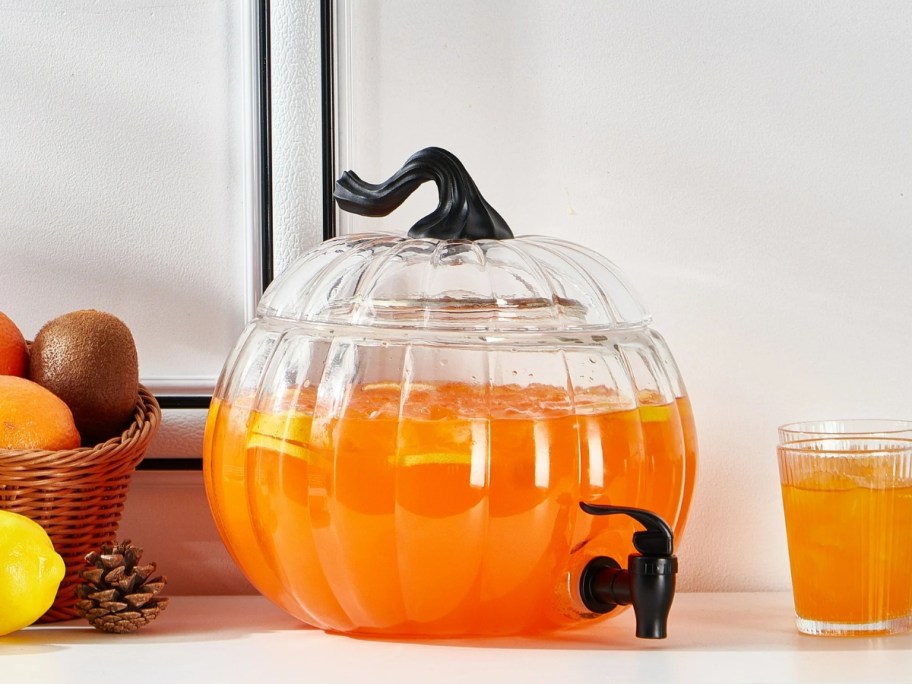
<point>671,448</point>
<point>689,431</point>
<point>224,451</point>
<point>453,512</point>
<point>850,550</point>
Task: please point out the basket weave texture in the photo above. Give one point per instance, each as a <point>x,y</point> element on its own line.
<point>77,495</point>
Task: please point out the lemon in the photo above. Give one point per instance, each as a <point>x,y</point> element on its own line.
<point>438,458</point>
<point>30,571</point>
<point>294,427</point>
<point>652,413</point>
<point>269,443</point>
<point>285,433</point>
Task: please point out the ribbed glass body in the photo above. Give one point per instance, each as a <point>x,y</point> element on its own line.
<point>400,439</point>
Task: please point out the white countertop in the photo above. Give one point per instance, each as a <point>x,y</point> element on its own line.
<point>712,638</point>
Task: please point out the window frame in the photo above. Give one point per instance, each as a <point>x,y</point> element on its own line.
<point>261,191</point>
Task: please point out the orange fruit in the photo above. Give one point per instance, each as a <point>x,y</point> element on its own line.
<point>32,417</point>
<point>13,351</point>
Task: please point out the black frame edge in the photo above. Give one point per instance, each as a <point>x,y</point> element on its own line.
<point>264,61</point>
<point>328,113</point>
<point>196,401</point>
<point>171,464</point>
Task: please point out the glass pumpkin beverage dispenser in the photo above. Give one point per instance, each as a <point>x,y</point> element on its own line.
<point>457,432</point>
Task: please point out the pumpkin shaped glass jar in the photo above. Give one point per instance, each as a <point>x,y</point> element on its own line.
<point>401,438</point>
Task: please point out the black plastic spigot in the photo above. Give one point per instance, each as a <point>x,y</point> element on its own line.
<point>648,583</point>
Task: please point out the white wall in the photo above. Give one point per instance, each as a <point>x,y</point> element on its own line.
<point>749,165</point>
<point>122,134</point>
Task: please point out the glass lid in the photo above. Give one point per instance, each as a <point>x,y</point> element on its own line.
<point>385,280</point>
<point>459,268</point>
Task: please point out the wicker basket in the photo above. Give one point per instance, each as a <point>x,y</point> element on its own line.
<point>77,495</point>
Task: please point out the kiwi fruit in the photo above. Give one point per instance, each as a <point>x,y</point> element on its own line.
<point>88,359</point>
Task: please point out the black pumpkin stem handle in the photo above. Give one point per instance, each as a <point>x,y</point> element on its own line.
<point>462,213</point>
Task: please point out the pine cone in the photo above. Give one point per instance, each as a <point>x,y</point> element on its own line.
<point>119,595</point>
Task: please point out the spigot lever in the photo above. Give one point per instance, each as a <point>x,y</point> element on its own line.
<point>648,583</point>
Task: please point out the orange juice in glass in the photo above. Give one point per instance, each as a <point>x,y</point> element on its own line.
<point>848,515</point>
